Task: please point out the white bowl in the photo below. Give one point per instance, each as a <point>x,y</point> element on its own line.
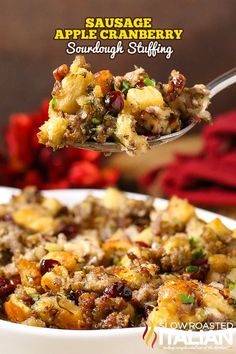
<point>21,339</point>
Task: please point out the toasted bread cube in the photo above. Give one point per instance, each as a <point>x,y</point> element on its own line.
<point>16,310</point>
<point>73,85</point>
<point>141,98</point>
<point>219,228</point>
<point>178,211</point>
<point>56,281</point>
<point>52,205</point>
<point>114,199</point>
<point>67,259</point>
<point>104,79</point>
<point>145,236</point>
<point>127,135</point>
<point>52,131</point>
<point>34,218</point>
<point>29,273</point>
<point>118,241</point>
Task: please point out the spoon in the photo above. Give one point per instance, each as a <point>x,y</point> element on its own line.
<point>215,86</point>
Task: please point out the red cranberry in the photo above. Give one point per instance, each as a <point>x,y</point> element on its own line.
<point>70,231</point>
<point>139,84</point>
<point>15,280</point>
<point>6,287</point>
<point>118,290</point>
<point>142,244</point>
<point>176,86</point>
<point>46,265</point>
<point>114,102</point>
<point>74,295</point>
<point>178,83</point>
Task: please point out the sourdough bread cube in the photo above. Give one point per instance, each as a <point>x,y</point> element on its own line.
<point>141,98</point>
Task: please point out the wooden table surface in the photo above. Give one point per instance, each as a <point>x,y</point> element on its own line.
<point>133,167</point>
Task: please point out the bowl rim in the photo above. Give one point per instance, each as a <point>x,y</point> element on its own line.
<point>24,329</point>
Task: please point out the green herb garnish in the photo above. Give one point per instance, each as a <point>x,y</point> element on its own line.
<point>116,88</point>
<point>180,260</point>
<point>201,313</point>
<point>192,242</point>
<point>96,121</point>
<point>231,286</point>
<point>192,269</point>
<point>125,86</point>
<point>199,253</point>
<point>149,82</point>
<point>35,297</point>
<point>53,102</point>
<point>89,103</point>
<point>186,299</point>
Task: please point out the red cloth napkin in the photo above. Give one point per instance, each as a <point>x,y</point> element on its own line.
<point>208,178</point>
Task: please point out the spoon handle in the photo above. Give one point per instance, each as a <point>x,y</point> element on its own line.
<point>222,82</point>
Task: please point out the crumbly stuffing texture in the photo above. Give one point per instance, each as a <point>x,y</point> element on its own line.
<point>113,262</point>
<point>130,109</point>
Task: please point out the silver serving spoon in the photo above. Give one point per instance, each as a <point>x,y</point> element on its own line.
<point>215,86</point>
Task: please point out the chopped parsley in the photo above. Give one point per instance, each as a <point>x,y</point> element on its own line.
<point>96,121</point>
<point>192,242</point>
<point>116,88</point>
<point>231,286</point>
<point>192,269</point>
<point>201,313</point>
<point>53,102</point>
<point>89,103</point>
<point>180,260</point>
<point>186,299</point>
<point>199,253</point>
<point>149,82</point>
<point>35,297</point>
<point>125,86</point>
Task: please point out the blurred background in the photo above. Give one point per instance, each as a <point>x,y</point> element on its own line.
<point>29,54</point>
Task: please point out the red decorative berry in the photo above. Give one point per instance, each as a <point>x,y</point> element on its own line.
<point>46,265</point>
<point>114,102</point>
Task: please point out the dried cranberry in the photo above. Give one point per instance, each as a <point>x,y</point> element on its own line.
<point>74,295</point>
<point>6,287</point>
<point>7,217</point>
<point>178,83</point>
<point>139,84</point>
<point>70,231</point>
<point>46,265</point>
<point>131,256</point>
<point>118,290</point>
<point>114,102</point>
<point>175,87</point>
<point>142,244</point>
<point>15,280</point>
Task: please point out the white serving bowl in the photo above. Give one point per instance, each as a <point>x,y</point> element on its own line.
<point>21,339</point>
